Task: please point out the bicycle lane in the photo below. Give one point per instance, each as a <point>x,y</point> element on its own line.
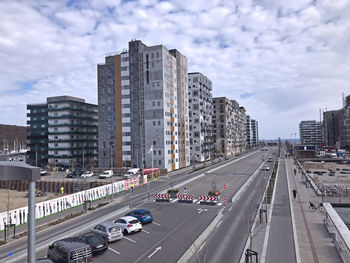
<point>313,240</point>
<point>280,246</point>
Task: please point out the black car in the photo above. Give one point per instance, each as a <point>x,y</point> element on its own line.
<point>97,243</point>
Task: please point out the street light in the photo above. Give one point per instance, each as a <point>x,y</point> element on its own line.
<point>15,171</point>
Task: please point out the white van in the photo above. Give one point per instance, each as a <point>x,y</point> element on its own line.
<point>133,172</point>
<point>106,174</point>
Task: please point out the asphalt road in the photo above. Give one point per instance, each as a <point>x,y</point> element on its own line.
<point>176,226</point>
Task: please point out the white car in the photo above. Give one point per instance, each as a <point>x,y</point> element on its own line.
<point>87,174</point>
<point>266,167</point>
<point>129,224</point>
<point>133,172</point>
<point>106,174</point>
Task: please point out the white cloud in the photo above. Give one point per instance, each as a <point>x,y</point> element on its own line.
<point>292,55</point>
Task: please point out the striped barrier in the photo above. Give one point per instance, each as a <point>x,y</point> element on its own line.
<point>162,197</point>
<point>185,197</point>
<point>207,198</point>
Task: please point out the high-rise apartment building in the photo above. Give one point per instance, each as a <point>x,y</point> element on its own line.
<point>68,132</point>
<point>255,132</point>
<point>331,130</point>
<point>144,116</point>
<point>229,126</point>
<point>310,132</point>
<point>200,112</point>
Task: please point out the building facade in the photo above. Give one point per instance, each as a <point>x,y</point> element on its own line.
<point>311,132</point>
<point>229,127</point>
<point>200,113</point>
<point>331,128</point>
<point>150,103</point>
<point>254,132</point>
<point>71,131</point>
<point>37,134</point>
<point>248,132</point>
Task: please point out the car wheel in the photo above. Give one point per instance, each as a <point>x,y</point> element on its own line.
<point>125,232</point>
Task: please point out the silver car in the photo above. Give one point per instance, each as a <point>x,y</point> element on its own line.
<point>109,231</point>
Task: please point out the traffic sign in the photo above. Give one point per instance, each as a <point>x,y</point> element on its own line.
<point>217,193</point>
<point>224,186</point>
<point>185,190</point>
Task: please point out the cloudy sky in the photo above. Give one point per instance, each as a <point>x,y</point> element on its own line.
<point>281,60</point>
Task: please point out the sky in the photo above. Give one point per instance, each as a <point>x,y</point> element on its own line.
<point>282,60</point>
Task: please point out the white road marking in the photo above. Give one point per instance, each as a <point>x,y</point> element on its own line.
<point>174,200</point>
<point>202,246</point>
<point>155,251</point>
<point>115,251</point>
<point>155,223</point>
<point>194,200</point>
<point>230,209</point>
<point>218,224</point>
<point>145,231</point>
<point>219,204</point>
<point>130,239</point>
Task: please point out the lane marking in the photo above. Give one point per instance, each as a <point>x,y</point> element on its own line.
<point>219,204</point>
<point>115,251</point>
<point>145,231</point>
<point>154,223</point>
<point>219,223</point>
<point>174,200</point>
<point>129,239</point>
<point>155,251</point>
<point>194,200</point>
<point>230,209</point>
<point>201,246</point>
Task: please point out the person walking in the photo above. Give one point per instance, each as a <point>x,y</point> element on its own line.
<point>294,193</point>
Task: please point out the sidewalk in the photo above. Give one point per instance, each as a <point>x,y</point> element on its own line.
<point>306,240</point>
<point>314,242</point>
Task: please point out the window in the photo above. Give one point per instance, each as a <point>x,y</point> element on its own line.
<point>154,123</point>
<point>153,103</point>
<point>159,123</point>
<point>159,162</point>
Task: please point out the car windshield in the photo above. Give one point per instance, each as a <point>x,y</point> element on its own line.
<point>95,241</point>
<point>146,213</point>
<point>105,173</point>
<point>133,221</point>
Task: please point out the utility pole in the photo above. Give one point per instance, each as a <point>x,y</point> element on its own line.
<point>36,155</point>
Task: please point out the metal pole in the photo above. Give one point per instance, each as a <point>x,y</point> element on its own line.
<point>83,160</point>
<point>31,222</point>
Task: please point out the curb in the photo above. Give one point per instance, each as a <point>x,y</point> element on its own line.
<point>267,232</point>
<point>196,246</point>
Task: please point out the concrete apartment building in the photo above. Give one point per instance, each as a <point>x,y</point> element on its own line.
<point>311,132</point>
<point>142,94</point>
<point>69,127</point>
<point>200,113</point>
<point>229,126</point>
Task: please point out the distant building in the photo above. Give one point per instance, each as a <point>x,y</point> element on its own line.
<point>63,132</point>
<point>311,132</point>
<point>331,128</point>
<point>344,127</point>
<point>254,132</point>
<point>143,106</point>
<point>248,132</point>
<point>229,126</point>
<point>200,113</point>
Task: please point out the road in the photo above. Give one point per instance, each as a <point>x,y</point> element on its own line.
<point>176,226</point>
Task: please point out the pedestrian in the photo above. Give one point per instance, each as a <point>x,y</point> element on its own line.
<point>294,193</point>
<point>295,171</point>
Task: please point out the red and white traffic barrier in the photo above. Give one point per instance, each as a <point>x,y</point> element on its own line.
<point>207,198</point>
<point>185,197</point>
<point>162,196</point>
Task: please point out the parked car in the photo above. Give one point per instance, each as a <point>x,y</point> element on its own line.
<point>87,174</point>
<point>70,250</point>
<point>72,175</point>
<point>97,243</point>
<point>106,174</point>
<point>143,215</point>
<point>108,230</point>
<point>269,159</point>
<point>133,172</point>
<point>43,172</point>
<point>128,224</point>
<point>266,167</point>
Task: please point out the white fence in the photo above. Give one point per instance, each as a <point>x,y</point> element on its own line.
<point>20,216</point>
